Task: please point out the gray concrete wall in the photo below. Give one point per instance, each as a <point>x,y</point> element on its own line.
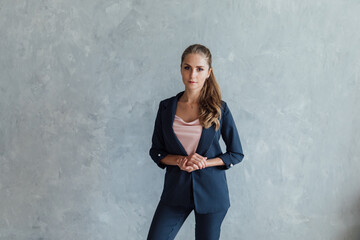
<point>81,81</point>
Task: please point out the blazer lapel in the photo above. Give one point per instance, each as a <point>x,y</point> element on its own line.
<point>207,135</point>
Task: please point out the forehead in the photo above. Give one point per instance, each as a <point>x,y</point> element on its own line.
<point>195,59</point>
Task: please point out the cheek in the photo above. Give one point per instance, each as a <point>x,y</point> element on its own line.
<point>183,74</point>
<point>204,76</point>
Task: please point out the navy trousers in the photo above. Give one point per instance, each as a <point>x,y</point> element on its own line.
<point>168,220</point>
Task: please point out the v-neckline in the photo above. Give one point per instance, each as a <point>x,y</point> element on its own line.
<point>185,121</point>
<point>207,134</point>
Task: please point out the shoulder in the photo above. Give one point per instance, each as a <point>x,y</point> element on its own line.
<point>165,103</point>
<point>224,107</point>
<point>225,110</point>
<point>168,101</point>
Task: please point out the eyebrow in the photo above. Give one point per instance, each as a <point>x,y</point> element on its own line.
<point>196,66</point>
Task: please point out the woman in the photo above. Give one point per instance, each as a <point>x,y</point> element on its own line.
<point>186,141</point>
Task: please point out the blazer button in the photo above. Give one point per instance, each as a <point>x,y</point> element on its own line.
<point>159,154</point>
<point>231,165</point>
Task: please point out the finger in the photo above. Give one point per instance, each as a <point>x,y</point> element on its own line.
<point>183,163</point>
<point>189,169</point>
<point>185,168</point>
<point>197,157</point>
<point>179,161</point>
<point>196,167</point>
<point>200,157</point>
<point>192,162</point>
<point>204,161</point>
<point>201,162</point>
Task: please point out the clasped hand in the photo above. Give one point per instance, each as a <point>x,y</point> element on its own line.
<point>192,162</point>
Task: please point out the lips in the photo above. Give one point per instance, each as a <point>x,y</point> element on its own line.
<point>192,82</point>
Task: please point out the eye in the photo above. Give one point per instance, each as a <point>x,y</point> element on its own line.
<point>186,67</point>
<point>200,69</point>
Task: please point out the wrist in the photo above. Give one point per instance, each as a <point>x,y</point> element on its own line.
<point>214,162</point>
<point>178,160</point>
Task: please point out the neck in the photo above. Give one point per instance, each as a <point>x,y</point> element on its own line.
<point>190,96</point>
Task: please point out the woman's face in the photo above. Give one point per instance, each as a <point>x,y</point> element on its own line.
<point>194,70</point>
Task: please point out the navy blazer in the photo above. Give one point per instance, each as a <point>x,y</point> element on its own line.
<point>207,187</point>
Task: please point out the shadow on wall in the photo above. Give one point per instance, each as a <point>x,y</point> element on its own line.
<point>353,233</point>
<point>353,230</point>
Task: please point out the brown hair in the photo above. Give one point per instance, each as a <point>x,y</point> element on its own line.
<point>210,94</point>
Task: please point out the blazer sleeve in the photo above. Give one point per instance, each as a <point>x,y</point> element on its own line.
<point>234,153</point>
<point>157,150</point>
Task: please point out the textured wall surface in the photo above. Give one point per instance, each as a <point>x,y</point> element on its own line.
<point>81,81</point>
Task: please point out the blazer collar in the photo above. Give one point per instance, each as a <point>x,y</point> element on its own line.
<point>207,134</point>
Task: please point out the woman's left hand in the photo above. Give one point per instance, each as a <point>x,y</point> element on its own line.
<point>183,165</point>
<point>196,161</point>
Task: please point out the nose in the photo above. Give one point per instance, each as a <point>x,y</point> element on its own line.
<point>193,73</point>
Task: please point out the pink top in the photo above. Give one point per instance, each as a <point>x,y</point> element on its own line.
<point>188,133</point>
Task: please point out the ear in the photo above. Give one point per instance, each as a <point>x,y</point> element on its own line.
<point>210,69</point>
